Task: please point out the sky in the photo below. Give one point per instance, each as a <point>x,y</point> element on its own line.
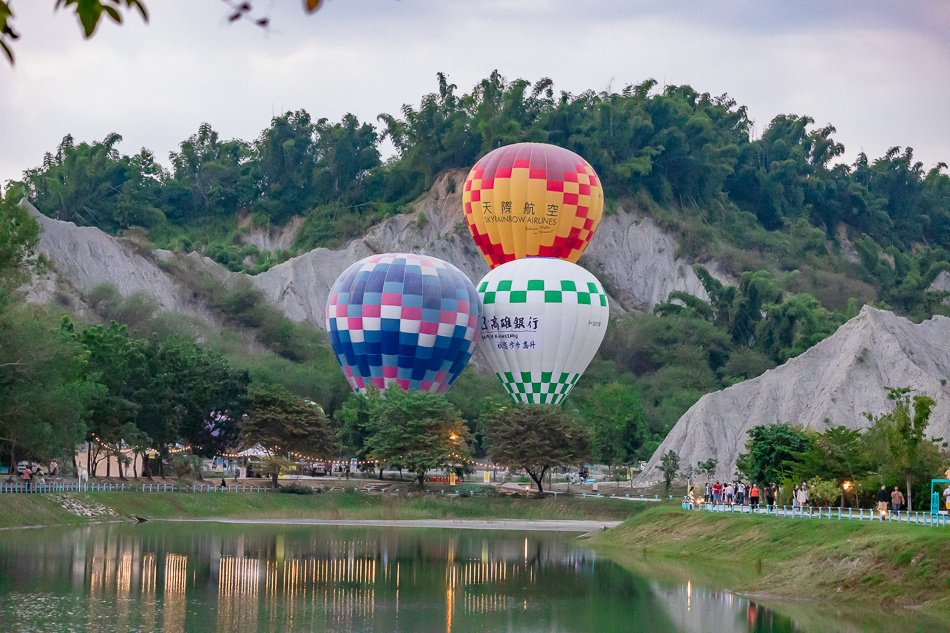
<point>876,70</point>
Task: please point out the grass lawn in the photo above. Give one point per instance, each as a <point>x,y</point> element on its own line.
<point>885,564</point>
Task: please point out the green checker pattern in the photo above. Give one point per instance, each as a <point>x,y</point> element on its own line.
<point>552,291</point>
<point>538,387</point>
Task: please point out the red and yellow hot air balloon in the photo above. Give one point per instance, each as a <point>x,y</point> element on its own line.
<point>532,200</point>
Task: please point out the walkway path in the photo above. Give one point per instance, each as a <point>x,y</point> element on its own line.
<point>538,525</point>
<point>839,514</point>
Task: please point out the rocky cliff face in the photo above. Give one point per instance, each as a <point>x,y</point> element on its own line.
<point>82,258</point>
<point>831,384</point>
<point>631,255</point>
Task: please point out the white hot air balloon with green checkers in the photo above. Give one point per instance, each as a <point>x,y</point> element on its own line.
<point>542,321</point>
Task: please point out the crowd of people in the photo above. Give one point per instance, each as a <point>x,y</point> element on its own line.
<point>740,493</point>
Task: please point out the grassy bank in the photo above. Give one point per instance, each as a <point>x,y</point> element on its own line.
<point>849,562</point>
<point>47,509</point>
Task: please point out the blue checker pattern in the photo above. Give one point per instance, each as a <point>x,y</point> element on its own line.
<point>402,318</point>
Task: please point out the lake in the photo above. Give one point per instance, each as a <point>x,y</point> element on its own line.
<point>187,577</point>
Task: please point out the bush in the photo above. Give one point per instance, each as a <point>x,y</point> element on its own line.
<point>297,489</point>
<point>185,465</point>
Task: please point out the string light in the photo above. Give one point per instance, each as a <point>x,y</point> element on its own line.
<point>135,449</point>
<point>310,458</point>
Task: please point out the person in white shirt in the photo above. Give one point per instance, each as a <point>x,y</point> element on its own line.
<point>802,497</point>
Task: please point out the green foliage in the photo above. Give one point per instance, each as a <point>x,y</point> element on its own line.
<point>297,489</point>
<point>899,445</point>
<point>19,235</point>
<point>535,438</point>
<point>762,207</point>
<point>89,13</point>
<point>707,468</point>
<point>616,417</point>
<point>822,492</point>
<point>417,430</point>
<point>669,466</point>
<point>44,386</point>
<point>186,466</point>
<point>284,423</point>
<point>774,212</point>
<point>839,454</point>
<point>355,425</point>
<point>274,466</point>
<point>772,452</point>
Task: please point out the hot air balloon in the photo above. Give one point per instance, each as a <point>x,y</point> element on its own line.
<point>402,318</point>
<point>542,321</point>
<point>532,200</point>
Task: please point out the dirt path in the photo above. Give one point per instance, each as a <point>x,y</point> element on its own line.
<point>455,524</point>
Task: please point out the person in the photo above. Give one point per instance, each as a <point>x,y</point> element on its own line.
<point>794,498</point>
<point>27,476</point>
<point>882,500</point>
<point>770,496</point>
<point>803,497</point>
<point>730,493</point>
<point>754,498</point>
<point>708,496</point>
<point>740,493</point>
<point>897,500</point>
<point>717,492</point>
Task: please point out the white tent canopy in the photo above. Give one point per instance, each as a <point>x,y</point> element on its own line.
<point>255,451</point>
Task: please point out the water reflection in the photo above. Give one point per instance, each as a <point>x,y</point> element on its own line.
<point>208,577</point>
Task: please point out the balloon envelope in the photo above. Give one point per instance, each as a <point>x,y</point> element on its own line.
<point>542,322</point>
<point>532,200</point>
<point>402,318</point>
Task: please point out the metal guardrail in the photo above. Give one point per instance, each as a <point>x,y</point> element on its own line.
<point>846,514</point>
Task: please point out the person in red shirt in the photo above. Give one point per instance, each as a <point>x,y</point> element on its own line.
<point>754,498</point>
<point>717,492</point>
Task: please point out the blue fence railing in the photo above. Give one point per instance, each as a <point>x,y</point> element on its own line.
<point>24,488</point>
<point>840,514</point>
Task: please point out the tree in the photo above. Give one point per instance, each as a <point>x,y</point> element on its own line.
<point>45,387</point>
<point>772,452</point>
<point>903,432</point>
<point>616,416</point>
<point>535,438</point>
<point>287,424</point>
<point>275,465</point>
<point>707,468</point>
<point>19,236</point>
<point>119,363</point>
<point>419,430</point>
<point>355,425</point>
<point>837,454</point>
<point>669,466</point>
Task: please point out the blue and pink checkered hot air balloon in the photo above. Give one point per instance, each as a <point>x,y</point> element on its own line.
<point>402,318</point>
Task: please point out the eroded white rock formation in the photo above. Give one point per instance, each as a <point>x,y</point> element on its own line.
<point>831,384</point>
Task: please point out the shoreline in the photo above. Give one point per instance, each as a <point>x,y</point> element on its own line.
<point>65,509</point>
<point>893,566</point>
<point>522,525</point>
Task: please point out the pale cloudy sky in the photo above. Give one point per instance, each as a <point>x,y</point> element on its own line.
<point>879,71</point>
